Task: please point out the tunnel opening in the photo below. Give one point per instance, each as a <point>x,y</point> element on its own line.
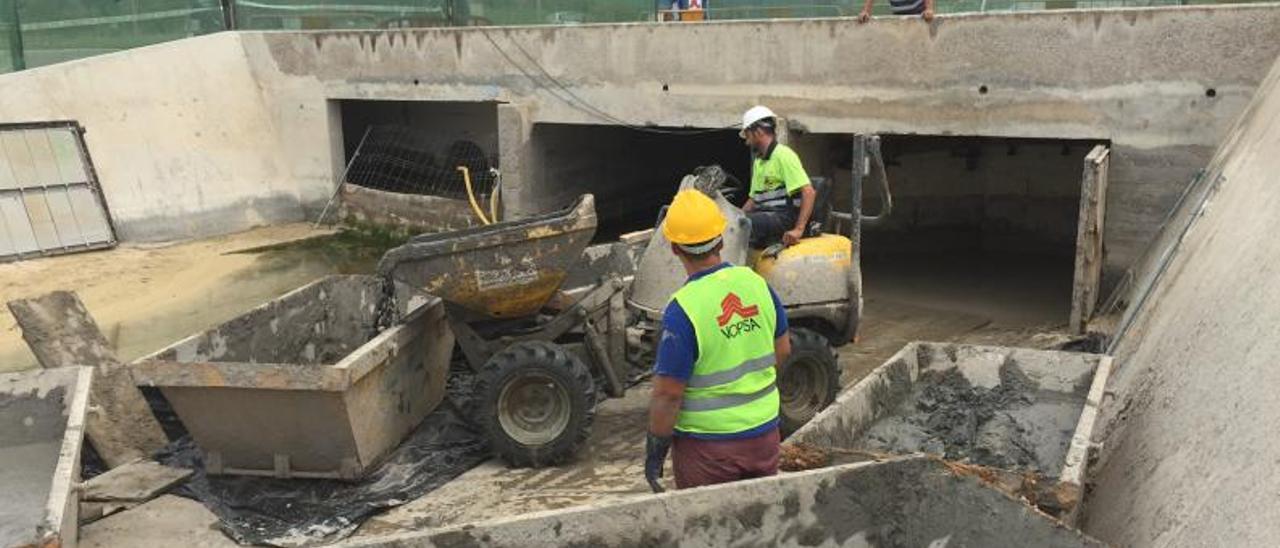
<point>632,172</point>
<point>416,147</point>
<point>983,230</point>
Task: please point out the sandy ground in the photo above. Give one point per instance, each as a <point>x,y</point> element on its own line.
<point>146,297</point>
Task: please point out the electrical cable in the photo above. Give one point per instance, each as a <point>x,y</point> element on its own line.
<point>575,101</point>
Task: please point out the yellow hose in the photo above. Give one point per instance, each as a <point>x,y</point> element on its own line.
<point>471,195</point>
<point>493,201</point>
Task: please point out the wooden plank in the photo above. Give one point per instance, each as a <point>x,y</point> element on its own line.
<point>138,482</point>
<point>1089,233</point>
<point>61,333</point>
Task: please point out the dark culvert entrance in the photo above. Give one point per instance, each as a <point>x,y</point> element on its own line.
<point>982,235</point>
<point>632,172</point>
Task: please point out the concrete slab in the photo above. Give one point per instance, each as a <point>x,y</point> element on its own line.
<point>42,416</point>
<point>911,501</point>
<point>163,522</point>
<point>134,482</point>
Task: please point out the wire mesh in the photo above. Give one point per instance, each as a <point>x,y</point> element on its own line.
<point>397,158</point>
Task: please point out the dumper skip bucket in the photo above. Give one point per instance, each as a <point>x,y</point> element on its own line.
<point>305,385</point>
<point>503,270</point>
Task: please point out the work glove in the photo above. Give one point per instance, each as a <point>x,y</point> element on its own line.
<point>655,450</point>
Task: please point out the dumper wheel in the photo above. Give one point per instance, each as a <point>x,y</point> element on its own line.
<point>536,402</point>
<point>810,379</point>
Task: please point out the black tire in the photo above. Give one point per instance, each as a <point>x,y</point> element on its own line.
<point>809,381</point>
<point>535,403</point>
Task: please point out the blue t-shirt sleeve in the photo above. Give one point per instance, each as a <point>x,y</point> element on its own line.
<point>782,325</point>
<point>678,347</point>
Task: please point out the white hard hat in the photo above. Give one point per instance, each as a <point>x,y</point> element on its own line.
<point>755,114</point>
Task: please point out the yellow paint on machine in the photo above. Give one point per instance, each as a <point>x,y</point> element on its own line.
<point>829,250</point>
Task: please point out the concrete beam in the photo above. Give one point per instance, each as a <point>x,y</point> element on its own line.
<point>912,501</point>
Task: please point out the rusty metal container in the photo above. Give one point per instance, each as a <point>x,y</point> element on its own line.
<point>304,385</point>
<point>503,270</point>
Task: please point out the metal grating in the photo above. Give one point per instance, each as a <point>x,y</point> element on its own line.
<point>50,202</point>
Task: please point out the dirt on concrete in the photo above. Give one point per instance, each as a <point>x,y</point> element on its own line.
<point>1001,427</point>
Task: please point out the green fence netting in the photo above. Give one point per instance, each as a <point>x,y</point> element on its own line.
<point>54,31</point>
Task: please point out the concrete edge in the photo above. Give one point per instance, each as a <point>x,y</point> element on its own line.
<point>63,506</point>
<point>260,306</point>
<point>386,344</point>
<point>859,391</point>
<point>1078,453</point>
<point>409,538</point>
<point>940,19</point>
<point>259,376</point>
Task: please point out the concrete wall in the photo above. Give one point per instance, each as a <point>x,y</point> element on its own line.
<point>183,139</point>
<point>175,139</point>
<point>913,501</point>
<point>1139,78</point>
<point>1190,451</point>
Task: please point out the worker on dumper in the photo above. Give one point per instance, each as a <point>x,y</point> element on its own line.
<point>781,198</point>
<point>723,334</point>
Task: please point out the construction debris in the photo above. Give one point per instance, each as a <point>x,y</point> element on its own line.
<point>137,482</point>
<point>61,333</point>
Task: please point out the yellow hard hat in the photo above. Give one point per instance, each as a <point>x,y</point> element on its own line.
<point>693,218</point>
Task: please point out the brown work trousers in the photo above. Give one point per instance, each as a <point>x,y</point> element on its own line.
<point>707,462</point>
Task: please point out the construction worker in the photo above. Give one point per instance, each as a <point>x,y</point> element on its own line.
<point>723,334</point>
<point>781,198</point>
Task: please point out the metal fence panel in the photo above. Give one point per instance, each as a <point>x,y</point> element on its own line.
<point>50,202</point>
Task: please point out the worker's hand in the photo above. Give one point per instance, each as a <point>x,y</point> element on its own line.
<point>864,16</point>
<point>655,451</point>
<point>927,15</point>
<point>792,237</point>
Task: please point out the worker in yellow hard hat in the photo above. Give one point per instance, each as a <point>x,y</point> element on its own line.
<point>723,333</point>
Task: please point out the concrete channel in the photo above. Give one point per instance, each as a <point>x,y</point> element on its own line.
<point>902,501</point>
<point>1014,409</point>
<point>305,385</point>
<point>42,414</point>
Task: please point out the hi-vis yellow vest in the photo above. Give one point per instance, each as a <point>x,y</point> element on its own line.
<point>732,388</point>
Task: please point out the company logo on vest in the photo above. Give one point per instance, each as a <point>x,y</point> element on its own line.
<point>732,306</point>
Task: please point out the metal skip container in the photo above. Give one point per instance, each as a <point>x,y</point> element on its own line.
<point>42,417</point>
<point>305,385</point>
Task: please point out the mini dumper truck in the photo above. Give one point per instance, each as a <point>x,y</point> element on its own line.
<point>546,326</point>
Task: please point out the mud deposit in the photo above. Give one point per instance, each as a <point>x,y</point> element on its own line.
<point>1014,425</point>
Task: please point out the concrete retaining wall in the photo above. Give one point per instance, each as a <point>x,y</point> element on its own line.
<point>184,141</point>
<point>182,153</point>
<point>1190,451</point>
<point>412,212</point>
<point>1138,78</point>
<point>913,501</point>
